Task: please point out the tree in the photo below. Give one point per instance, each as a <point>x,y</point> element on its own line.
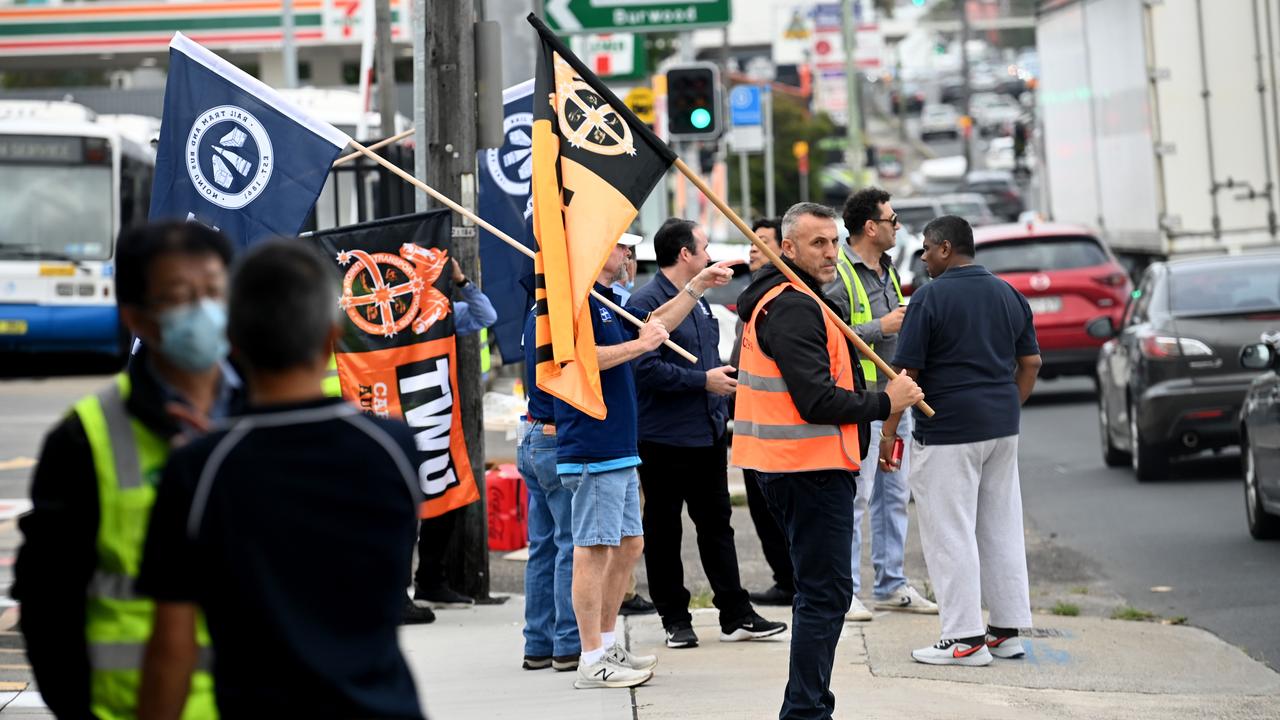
<point>792,121</point>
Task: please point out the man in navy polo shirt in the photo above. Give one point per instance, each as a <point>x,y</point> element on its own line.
<point>969,341</point>
<point>683,409</point>
<point>597,459</point>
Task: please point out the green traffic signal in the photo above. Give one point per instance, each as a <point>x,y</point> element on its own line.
<point>700,118</point>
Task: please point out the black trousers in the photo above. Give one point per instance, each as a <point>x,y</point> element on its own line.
<point>814,510</point>
<point>434,536</point>
<point>672,477</point>
<point>772,541</point>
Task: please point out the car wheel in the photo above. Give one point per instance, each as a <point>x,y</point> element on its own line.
<point>1111,455</point>
<point>1262,524</point>
<point>1149,461</point>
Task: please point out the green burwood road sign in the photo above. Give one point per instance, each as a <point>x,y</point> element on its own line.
<point>602,16</point>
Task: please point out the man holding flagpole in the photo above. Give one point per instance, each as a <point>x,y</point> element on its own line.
<point>597,460</point>
<point>594,164</point>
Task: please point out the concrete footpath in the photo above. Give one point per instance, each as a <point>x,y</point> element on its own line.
<point>467,665</point>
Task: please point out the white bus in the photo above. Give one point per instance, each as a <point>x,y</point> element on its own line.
<point>69,181</point>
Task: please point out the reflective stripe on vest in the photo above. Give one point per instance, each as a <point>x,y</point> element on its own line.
<point>332,386</point>
<point>486,362</point>
<point>860,304</point>
<point>768,433</point>
<point>127,460</point>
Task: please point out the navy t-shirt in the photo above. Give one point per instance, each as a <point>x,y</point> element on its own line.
<point>294,532</point>
<point>541,406</point>
<point>609,443</point>
<point>964,332</point>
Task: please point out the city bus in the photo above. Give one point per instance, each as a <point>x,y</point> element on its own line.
<point>69,181</point>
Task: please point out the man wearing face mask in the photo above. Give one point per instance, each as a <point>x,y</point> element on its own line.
<point>92,492</point>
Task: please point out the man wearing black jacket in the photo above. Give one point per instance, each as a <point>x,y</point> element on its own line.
<point>76,618</point>
<point>801,422</point>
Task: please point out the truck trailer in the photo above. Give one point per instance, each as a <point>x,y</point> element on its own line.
<point>1159,123</point>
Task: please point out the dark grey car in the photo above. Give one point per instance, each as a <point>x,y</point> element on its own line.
<point>1170,380</point>
<point>1260,438</point>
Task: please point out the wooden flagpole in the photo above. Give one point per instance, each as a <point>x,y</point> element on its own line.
<point>768,252</point>
<point>503,237</point>
<point>376,146</point>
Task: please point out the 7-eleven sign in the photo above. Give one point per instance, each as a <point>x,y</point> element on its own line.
<point>611,55</point>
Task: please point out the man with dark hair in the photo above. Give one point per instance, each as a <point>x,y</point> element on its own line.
<point>249,516</point>
<point>94,486</point>
<point>772,542</point>
<point>868,292</point>
<point>969,340</point>
<point>683,414</point>
<point>800,422</point>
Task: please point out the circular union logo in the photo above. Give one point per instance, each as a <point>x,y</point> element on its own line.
<point>511,166</point>
<point>229,157</point>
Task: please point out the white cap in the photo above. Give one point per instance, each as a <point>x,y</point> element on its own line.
<point>629,240</point>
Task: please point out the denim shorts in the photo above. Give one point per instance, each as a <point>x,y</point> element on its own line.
<point>606,506</point>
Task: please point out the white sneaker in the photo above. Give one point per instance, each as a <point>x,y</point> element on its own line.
<point>857,611</point>
<point>1005,647</point>
<point>906,599</point>
<point>607,673</point>
<point>626,658</point>
<point>953,652</point>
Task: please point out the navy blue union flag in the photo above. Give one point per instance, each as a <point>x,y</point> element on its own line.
<point>233,154</point>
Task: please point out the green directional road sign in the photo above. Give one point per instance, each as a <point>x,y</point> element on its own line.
<point>602,16</point>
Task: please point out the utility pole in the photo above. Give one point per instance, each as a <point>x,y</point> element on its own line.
<point>853,154</point>
<point>289,45</point>
<point>450,99</point>
<point>386,70</point>
<point>962,7</point>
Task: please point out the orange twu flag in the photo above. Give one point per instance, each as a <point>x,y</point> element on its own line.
<point>594,163</point>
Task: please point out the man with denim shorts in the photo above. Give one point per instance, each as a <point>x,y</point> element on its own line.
<point>597,460</point>
<point>550,629</point>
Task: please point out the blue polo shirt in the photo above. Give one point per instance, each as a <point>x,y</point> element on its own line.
<point>608,444</point>
<point>675,407</point>
<point>541,406</point>
<point>964,332</point>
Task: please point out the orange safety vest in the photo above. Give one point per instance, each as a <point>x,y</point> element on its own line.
<point>768,433</point>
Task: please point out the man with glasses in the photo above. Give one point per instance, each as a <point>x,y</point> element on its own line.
<point>867,290</point>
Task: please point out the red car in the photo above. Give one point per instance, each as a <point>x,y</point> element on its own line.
<point>1068,276</point>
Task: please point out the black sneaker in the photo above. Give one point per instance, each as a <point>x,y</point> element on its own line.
<point>752,627</point>
<point>564,663</point>
<point>681,635</point>
<point>415,614</point>
<point>442,596</point>
<point>773,596</point>
<point>637,605</point>
<point>536,662</point>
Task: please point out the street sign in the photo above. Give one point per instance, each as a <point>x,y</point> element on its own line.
<point>611,55</point>
<point>640,100</point>
<point>744,104</point>
<point>586,16</point>
<point>746,138</point>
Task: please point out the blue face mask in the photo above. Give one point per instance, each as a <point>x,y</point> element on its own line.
<point>194,337</point>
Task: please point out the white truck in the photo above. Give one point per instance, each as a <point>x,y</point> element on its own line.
<point>1159,122</point>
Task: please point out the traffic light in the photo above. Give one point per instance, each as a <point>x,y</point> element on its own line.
<point>694,109</point>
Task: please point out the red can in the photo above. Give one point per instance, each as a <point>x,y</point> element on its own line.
<point>897,452</point>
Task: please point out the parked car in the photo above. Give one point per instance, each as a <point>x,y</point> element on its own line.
<point>913,96</point>
<point>999,156</point>
<point>999,189</point>
<point>1068,276</point>
<point>968,205</point>
<point>993,113</point>
<point>1260,438</point>
<point>939,121</point>
<point>1170,379</point>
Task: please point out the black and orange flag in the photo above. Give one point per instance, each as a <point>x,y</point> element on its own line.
<point>594,163</point>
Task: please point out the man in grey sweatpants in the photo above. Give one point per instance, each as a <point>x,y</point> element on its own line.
<point>969,341</point>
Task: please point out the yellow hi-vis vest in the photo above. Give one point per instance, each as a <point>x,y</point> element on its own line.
<point>331,386</point>
<point>127,459</point>
<point>859,305</point>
